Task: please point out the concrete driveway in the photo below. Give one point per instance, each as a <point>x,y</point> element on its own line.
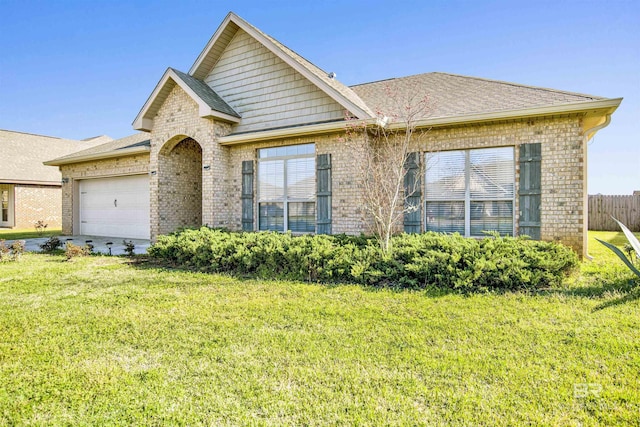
<point>99,244</point>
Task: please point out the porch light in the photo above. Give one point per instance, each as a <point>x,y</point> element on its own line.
<point>153,172</point>
<point>65,180</point>
<point>206,167</point>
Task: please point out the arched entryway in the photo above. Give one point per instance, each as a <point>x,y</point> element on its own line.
<point>179,185</point>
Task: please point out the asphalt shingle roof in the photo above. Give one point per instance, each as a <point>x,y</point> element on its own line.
<point>135,140</point>
<point>207,94</point>
<point>452,95</point>
<point>22,154</point>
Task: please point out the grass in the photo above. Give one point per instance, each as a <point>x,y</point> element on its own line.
<point>102,341</point>
<point>16,234</point>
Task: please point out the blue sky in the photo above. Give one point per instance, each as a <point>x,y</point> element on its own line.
<point>77,69</point>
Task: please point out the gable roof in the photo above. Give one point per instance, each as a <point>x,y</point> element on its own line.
<point>22,154</point>
<point>129,145</point>
<point>333,88</point>
<point>210,104</point>
<point>453,99</point>
<point>452,95</point>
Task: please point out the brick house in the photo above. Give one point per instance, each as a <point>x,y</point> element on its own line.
<point>253,138</point>
<point>30,191</point>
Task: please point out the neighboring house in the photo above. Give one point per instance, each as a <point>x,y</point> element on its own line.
<point>30,191</point>
<point>253,138</point>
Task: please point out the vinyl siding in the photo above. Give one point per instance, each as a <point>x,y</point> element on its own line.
<point>266,91</point>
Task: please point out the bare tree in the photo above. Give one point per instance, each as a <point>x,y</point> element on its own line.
<point>384,160</point>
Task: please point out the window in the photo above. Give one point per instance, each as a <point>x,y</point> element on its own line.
<point>287,188</point>
<point>470,191</point>
<point>4,201</point>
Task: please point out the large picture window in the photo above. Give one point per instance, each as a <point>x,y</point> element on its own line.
<point>287,188</point>
<point>470,191</point>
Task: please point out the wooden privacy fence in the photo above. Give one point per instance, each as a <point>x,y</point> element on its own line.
<point>624,208</point>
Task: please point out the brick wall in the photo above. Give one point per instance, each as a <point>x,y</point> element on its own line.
<point>131,165</point>
<point>35,203</point>
<point>177,119</point>
<point>562,183</point>
<point>563,166</point>
<point>180,186</point>
<point>563,160</point>
<point>346,202</point>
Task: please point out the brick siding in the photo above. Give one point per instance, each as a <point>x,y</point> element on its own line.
<point>563,169</point>
<point>118,166</point>
<point>35,203</point>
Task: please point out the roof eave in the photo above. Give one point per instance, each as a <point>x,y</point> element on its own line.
<point>124,152</point>
<point>206,111</point>
<point>606,106</point>
<point>144,123</point>
<point>266,135</point>
<point>28,182</point>
<point>212,41</point>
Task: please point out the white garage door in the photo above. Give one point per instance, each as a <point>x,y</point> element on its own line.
<point>115,207</point>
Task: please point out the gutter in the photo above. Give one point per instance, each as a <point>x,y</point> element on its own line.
<point>609,105</point>
<point>99,156</point>
<point>576,107</point>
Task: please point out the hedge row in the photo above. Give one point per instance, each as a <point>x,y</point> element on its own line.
<point>417,260</point>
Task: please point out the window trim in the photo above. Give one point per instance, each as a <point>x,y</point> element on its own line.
<point>285,197</point>
<point>10,189</point>
<point>467,200</point>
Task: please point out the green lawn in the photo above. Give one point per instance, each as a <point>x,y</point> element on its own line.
<point>28,233</point>
<point>100,341</point>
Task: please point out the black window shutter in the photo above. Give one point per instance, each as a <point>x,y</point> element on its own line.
<point>323,193</point>
<point>530,189</point>
<point>413,194</point>
<point>247,195</point>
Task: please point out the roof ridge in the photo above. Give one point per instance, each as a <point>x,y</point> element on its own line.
<point>38,134</point>
<point>484,79</point>
<point>220,104</point>
<point>377,81</point>
<point>586,95</point>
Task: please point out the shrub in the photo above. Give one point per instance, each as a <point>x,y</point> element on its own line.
<point>5,251</point>
<point>17,249</point>
<point>40,227</point>
<point>129,248</point>
<point>73,251</point>
<point>417,260</point>
<point>52,244</point>
<point>12,252</point>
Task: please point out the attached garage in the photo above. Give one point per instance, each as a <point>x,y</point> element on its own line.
<point>105,189</point>
<point>115,207</point>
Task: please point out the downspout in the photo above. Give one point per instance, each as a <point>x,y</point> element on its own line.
<point>587,134</point>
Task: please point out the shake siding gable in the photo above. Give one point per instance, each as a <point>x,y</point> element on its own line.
<point>266,91</point>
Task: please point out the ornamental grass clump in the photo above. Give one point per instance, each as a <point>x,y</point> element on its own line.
<point>632,249</point>
<point>416,261</point>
